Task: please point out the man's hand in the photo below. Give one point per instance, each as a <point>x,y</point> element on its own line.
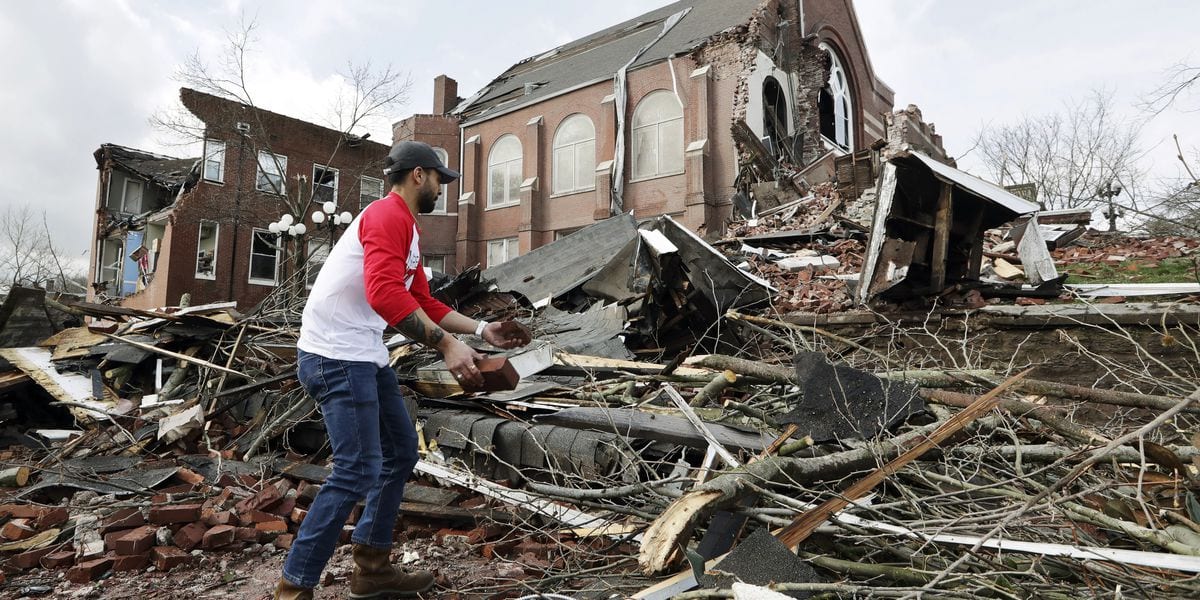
<point>506,334</point>
<point>460,361</point>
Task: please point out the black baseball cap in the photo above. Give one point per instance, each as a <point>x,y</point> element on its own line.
<point>410,155</point>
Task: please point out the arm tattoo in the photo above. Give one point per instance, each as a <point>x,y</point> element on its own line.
<point>414,329</point>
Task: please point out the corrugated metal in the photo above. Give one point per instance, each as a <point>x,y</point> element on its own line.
<point>983,189</point>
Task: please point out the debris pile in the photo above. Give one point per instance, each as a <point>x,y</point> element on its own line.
<point>669,431</point>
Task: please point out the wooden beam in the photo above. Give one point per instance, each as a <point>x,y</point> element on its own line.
<point>808,522</point>
<point>941,239</point>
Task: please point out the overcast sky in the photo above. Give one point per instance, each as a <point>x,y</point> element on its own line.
<point>79,73</point>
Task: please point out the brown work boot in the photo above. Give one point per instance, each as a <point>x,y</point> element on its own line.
<point>286,591</point>
<point>374,575</point>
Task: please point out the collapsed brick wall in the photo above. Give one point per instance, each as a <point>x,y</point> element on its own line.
<point>802,58</point>
<point>907,130</point>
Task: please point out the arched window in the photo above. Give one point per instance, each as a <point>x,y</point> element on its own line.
<point>443,156</point>
<point>504,172</point>
<point>835,104</point>
<point>775,115</point>
<point>574,155</point>
<point>657,136</point>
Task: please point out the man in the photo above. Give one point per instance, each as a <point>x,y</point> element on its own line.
<point>373,278</point>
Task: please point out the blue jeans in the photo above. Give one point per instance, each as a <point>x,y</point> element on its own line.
<point>374,452</point>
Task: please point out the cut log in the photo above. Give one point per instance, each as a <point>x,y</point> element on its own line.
<point>15,477</point>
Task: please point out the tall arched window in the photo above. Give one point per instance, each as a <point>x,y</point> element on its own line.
<point>443,156</point>
<point>574,155</point>
<point>657,136</point>
<point>836,105</point>
<point>504,172</point>
<point>775,114</point>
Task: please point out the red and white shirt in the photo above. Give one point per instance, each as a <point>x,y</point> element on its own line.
<point>373,278</point>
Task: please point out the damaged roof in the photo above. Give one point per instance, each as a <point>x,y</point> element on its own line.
<point>599,56</point>
<point>166,171</point>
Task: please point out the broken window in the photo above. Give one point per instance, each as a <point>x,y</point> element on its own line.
<point>370,189</point>
<point>501,251</point>
<point>264,257</point>
<point>318,252</point>
<point>325,184</point>
<point>440,207</point>
<point>574,163</point>
<point>108,268</point>
<point>131,196</point>
<point>271,168</point>
<point>214,161</point>
<point>835,105</point>
<point>775,116</point>
<point>436,263</point>
<point>206,250</point>
<point>657,136</point>
<point>504,172</point>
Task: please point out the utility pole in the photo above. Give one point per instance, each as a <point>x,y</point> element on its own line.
<point>1113,212</point>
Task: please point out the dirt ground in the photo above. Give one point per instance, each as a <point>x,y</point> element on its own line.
<point>251,573</point>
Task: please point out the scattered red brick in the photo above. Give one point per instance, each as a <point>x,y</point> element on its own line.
<point>178,513</point>
<point>56,560</point>
<point>221,535</point>
<point>167,557</point>
<point>90,570</point>
<point>190,536</point>
<point>138,541</point>
<point>125,518</point>
<point>133,562</point>
<point>284,541</point>
<point>17,529</point>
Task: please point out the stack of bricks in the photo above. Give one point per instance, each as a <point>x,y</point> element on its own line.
<point>179,523</point>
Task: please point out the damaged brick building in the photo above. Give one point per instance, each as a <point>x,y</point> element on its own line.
<point>644,116</point>
<point>167,226</point>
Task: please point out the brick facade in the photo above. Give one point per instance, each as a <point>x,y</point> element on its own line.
<point>715,84</point>
<point>237,207</point>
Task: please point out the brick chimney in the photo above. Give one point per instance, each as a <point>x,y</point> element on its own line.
<point>445,94</point>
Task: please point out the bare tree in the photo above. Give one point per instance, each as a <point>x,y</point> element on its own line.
<point>367,94</point>
<point>1070,155</point>
<point>27,253</point>
<point>1181,79</point>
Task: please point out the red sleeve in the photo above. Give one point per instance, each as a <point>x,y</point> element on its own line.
<point>420,290</point>
<point>385,231</point>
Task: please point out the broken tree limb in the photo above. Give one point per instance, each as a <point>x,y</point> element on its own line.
<point>1020,408</point>
<point>804,525</point>
<point>183,357</point>
<point>700,426</point>
<point>737,316</point>
<point>741,366</point>
<point>713,390</point>
<point>675,524</point>
<point>14,476</point>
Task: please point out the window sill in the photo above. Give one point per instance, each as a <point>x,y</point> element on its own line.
<point>267,282</point>
<point>653,177</point>
<point>573,192</point>
<point>499,206</point>
<point>214,182</point>
<point>444,214</point>
<point>271,192</point>
<point>207,277</point>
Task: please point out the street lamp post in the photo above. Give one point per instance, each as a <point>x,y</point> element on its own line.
<point>328,217</point>
<point>287,229</point>
<point>1113,212</point>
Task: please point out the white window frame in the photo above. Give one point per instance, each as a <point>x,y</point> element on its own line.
<point>315,185</point>
<point>273,161</point>
<point>435,262</point>
<point>125,194</point>
<point>366,180</point>
<point>580,181</point>
<point>311,247</point>
<point>510,246</point>
<point>843,101</point>
<point>215,248</point>
<point>214,155</point>
<point>513,197</point>
<point>272,239</point>
<point>658,127</point>
<point>440,207</point>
